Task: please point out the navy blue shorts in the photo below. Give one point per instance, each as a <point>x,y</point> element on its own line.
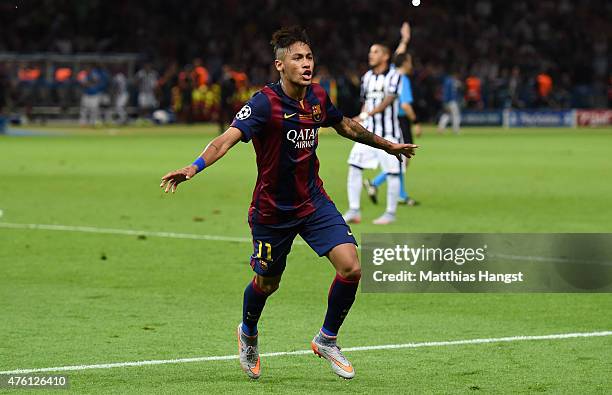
<point>322,230</point>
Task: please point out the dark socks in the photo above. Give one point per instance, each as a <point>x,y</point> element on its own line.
<point>340,299</point>
<point>254,302</point>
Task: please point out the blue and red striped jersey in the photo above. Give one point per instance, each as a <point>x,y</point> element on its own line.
<point>285,132</point>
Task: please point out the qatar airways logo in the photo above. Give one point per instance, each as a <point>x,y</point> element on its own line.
<point>304,138</point>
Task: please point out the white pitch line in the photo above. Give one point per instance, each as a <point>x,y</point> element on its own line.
<point>128,232</point>
<point>303,352</point>
<point>131,232</point>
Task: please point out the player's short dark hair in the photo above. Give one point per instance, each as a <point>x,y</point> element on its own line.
<point>284,37</point>
<point>384,46</point>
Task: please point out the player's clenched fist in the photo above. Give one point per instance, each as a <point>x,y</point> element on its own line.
<point>171,180</point>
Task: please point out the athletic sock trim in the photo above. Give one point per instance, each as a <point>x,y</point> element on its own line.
<point>257,289</point>
<point>328,334</point>
<point>247,332</point>
<point>347,280</point>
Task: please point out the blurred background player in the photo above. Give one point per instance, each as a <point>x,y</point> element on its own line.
<point>146,79</point>
<point>228,89</point>
<point>406,116</point>
<point>544,86</point>
<point>200,73</point>
<point>120,96</point>
<point>186,86</point>
<point>93,84</point>
<point>379,88</point>
<point>106,109</point>
<point>450,102</point>
<point>473,93</point>
<point>62,82</point>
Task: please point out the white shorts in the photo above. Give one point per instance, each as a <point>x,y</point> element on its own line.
<point>121,100</point>
<point>90,102</point>
<point>146,100</point>
<point>367,157</point>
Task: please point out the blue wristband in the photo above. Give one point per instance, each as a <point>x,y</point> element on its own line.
<point>200,164</point>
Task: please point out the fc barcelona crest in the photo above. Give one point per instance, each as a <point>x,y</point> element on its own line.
<point>316,113</point>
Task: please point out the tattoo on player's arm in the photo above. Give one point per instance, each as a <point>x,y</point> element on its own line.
<point>354,131</point>
<point>212,153</point>
<point>217,148</point>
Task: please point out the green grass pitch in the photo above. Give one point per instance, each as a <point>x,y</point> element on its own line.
<point>76,298</point>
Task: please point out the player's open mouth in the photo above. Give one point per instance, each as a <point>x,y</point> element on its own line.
<point>307,74</point>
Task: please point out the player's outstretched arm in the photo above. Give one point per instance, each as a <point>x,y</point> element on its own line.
<point>354,131</point>
<point>212,153</point>
<point>405,32</point>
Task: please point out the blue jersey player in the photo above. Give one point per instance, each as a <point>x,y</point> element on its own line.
<point>283,121</point>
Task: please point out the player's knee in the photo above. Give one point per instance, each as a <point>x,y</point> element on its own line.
<point>267,285</point>
<point>351,273</point>
<point>270,288</point>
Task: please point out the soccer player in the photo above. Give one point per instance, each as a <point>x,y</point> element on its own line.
<point>93,85</point>
<point>120,96</point>
<point>450,97</point>
<point>147,79</point>
<point>407,118</point>
<point>379,88</point>
<point>283,120</point>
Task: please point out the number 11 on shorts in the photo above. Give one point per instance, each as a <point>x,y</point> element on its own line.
<point>268,251</point>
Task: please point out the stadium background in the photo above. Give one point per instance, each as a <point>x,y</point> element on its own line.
<point>98,266</point>
<point>508,54</point>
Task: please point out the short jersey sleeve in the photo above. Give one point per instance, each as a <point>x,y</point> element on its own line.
<point>392,82</point>
<point>253,116</point>
<point>334,115</point>
<point>406,91</point>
